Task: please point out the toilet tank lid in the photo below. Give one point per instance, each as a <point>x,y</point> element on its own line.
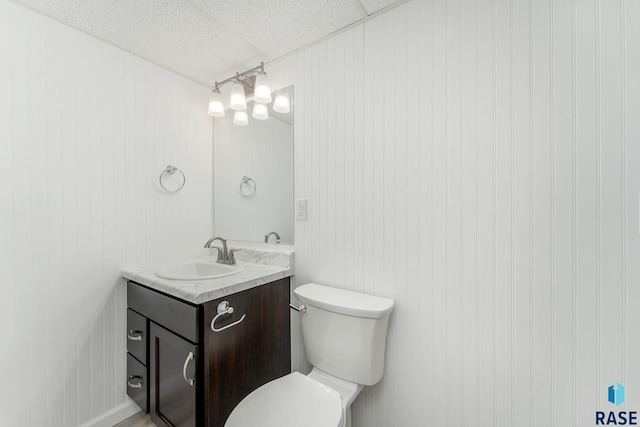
<point>343,301</point>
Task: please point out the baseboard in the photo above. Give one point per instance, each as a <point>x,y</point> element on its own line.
<point>114,416</point>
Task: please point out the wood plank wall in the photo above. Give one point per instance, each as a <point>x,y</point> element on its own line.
<point>477,161</point>
<point>85,131</point>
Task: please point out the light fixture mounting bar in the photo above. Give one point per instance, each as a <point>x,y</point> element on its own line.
<point>239,76</point>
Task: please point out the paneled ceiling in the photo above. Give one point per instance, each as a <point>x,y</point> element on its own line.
<point>208,40</point>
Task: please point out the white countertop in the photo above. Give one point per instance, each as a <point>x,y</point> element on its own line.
<point>259,267</point>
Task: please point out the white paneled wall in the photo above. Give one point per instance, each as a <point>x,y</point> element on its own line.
<point>85,130</point>
<point>477,161</point>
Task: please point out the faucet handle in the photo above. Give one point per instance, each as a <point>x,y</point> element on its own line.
<point>232,256</point>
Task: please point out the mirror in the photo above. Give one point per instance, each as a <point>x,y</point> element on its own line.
<point>253,176</point>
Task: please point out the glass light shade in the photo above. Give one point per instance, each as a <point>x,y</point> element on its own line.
<point>240,118</point>
<point>260,111</point>
<point>216,104</point>
<point>281,103</point>
<point>237,100</point>
<point>262,91</point>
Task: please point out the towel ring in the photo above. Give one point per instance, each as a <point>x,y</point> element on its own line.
<point>170,170</point>
<point>251,184</point>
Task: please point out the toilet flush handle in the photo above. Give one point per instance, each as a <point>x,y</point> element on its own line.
<point>301,309</point>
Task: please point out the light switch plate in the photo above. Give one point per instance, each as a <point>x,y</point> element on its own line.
<point>301,209</point>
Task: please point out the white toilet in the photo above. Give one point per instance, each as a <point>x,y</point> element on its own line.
<point>344,335</point>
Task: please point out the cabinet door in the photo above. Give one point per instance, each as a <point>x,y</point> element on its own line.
<point>172,371</point>
<point>246,352</point>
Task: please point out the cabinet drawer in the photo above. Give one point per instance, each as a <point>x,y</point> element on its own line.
<point>137,336</point>
<point>137,382</point>
<point>177,316</point>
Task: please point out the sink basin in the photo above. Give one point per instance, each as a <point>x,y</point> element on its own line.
<point>198,270</point>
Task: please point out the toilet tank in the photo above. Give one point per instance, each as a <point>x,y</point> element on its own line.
<point>344,332</point>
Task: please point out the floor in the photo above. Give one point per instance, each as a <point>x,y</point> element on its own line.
<point>139,419</point>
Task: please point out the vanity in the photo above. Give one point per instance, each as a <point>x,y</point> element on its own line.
<point>196,348</point>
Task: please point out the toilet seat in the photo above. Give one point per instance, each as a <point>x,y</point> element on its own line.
<point>291,401</point>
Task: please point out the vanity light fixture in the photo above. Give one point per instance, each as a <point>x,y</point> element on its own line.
<point>262,92</point>
<point>240,118</point>
<point>253,83</point>
<point>237,99</point>
<point>260,111</point>
<point>281,103</point>
<point>216,104</point>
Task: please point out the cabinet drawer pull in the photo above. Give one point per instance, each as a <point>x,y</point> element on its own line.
<point>134,385</point>
<point>224,308</point>
<point>189,381</point>
<point>134,335</point>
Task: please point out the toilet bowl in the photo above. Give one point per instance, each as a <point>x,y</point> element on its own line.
<point>344,336</point>
<point>314,400</point>
<point>293,400</point>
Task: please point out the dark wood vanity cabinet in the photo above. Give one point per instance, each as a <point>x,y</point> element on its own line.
<point>196,375</point>
<point>255,351</point>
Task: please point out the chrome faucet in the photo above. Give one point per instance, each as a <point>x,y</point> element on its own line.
<point>266,237</point>
<point>224,256</point>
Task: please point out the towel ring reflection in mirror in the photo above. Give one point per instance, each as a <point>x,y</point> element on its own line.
<point>171,170</point>
<point>247,187</point>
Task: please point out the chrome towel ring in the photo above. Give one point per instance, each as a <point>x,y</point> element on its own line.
<point>170,170</point>
<point>247,187</point>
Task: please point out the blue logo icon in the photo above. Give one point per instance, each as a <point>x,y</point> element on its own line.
<point>616,394</point>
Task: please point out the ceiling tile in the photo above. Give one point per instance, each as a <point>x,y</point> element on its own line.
<point>208,40</point>
<point>171,33</point>
<point>277,27</point>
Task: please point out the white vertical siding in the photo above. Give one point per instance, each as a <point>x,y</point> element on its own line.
<point>476,160</point>
<point>85,130</point>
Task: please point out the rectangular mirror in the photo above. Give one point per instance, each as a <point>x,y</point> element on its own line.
<point>253,176</point>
